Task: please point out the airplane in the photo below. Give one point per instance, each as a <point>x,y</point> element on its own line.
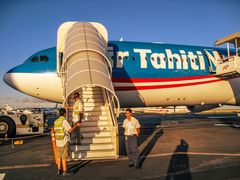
<point>143,75</point>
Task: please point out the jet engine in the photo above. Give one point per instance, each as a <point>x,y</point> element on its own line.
<point>200,108</point>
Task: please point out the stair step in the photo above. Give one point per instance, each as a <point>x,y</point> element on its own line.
<point>101,108</point>
<point>96,134</point>
<point>94,118</point>
<point>91,100</point>
<point>88,100</point>
<point>106,154</point>
<point>93,104</point>
<point>87,147</point>
<point>94,96</point>
<point>95,113</point>
<point>96,140</point>
<point>94,123</point>
<point>95,129</point>
<point>91,88</point>
<point>91,93</point>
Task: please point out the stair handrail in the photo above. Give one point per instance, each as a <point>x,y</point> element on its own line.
<point>111,105</point>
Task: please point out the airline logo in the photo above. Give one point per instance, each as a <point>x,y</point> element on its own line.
<point>165,60</point>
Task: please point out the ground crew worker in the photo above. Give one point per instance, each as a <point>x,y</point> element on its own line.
<point>132,130</point>
<point>77,116</point>
<point>62,130</point>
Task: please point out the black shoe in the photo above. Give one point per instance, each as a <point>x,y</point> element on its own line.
<point>130,165</point>
<point>137,167</point>
<point>67,173</point>
<point>59,172</point>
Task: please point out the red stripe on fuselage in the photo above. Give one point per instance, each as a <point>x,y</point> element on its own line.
<point>130,88</point>
<point>143,80</point>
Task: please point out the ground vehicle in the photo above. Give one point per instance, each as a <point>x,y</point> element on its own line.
<point>21,123</point>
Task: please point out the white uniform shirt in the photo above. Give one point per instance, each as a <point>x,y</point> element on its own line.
<point>66,127</point>
<point>131,126</point>
<point>78,104</point>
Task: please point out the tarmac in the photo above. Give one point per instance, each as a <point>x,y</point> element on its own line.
<point>172,147</point>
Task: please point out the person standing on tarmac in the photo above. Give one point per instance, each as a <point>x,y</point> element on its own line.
<point>62,130</point>
<point>132,131</point>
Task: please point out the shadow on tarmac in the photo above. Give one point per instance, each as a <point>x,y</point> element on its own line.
<point>145,152</point>
<point>179,164</point>
<point>76,167</point>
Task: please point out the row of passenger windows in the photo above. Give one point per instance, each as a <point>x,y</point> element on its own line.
<point>40,58</point>
<point>153,59</point>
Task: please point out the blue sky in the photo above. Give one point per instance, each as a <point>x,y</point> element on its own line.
<point>27,26</point>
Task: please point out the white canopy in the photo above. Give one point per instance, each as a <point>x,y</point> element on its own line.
<point>233,38</point>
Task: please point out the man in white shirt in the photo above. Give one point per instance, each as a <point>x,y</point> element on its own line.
<point>61,131</point>
<point>132,131</point>
<point>77,116</point>
<point>77,108</point>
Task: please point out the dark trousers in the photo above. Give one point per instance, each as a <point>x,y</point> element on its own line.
<point>132,149</point>
<point>78,135</point>
<point>77,131</point>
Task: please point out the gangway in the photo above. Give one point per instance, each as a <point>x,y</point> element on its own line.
<point>83,67</point>
<point>230,66</point>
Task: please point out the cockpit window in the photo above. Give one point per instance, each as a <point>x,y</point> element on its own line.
<point>44,58</point>
<point>35,59</point>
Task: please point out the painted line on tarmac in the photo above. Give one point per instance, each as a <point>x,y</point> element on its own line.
<point>123,158</point>
<point>195,153</point>
<point>24,166</point>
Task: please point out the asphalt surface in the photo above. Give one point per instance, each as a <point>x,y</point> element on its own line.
<point>172,147</point>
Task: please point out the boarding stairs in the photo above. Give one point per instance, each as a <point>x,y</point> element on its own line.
<point>229,66</point>
<point>84,67</point>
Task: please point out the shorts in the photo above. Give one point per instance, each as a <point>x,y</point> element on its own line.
<point>62,152</point>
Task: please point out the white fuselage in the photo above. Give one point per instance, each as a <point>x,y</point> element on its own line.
<point>48,86</point>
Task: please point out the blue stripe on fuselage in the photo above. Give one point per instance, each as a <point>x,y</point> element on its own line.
<point>131,68</point>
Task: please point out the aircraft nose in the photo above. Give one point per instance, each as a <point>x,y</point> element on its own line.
<point>5,78</point>
<point>8,78</point>
<point>12,77</point>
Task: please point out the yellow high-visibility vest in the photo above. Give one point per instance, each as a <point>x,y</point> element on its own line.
<point>58,128</point>
<point>76,107</point>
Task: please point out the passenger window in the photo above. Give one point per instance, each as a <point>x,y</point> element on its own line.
<point>44,58</point>
<point>35,59</point>
<point>152,58</point>
<point>119,57</point>
<point>146,58</point>
<point>133,58</point>
<point>126,57</point>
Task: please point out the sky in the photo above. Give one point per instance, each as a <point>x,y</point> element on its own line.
<point>27,26</point>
